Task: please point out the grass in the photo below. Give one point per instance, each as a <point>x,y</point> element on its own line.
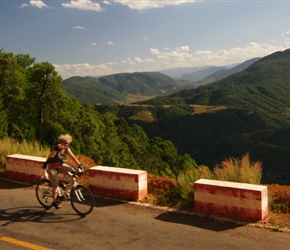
<point>239,170</point>
<point>144,116</point>
<point>198,109</point>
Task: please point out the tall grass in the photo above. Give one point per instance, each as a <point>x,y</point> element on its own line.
<point>239,170</point>
<point>9,146</point>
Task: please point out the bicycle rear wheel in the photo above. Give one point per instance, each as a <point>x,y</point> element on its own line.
<point>82,200</point>
<point>44,193</point>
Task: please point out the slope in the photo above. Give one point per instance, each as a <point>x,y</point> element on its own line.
<point>256,121</point>
<point>119,87</point>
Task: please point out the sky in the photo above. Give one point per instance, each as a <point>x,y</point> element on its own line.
<point>97,38</point>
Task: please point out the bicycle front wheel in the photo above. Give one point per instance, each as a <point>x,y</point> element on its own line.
<point>44,193</point>
<point>82,200</point>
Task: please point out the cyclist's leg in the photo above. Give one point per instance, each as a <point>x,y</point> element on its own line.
<point>52,173</point>
<point>65,169</point>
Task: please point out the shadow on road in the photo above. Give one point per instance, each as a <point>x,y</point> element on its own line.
<point>197,221</point>
<point>34,214</point>
<point>11,184</point>
<point>107,201</point>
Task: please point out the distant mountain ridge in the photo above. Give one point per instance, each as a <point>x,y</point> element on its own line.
<point>223,73</point>
<point>138,86</point>
<point>119,88</point>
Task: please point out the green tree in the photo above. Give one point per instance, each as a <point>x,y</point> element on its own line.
<point>12,85</point>
<point>3,120</point>
<point>116,153</point>
<point>136,140</point>
<point>44,97</point>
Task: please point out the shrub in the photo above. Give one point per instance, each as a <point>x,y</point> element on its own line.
<point>166,190</point>
<point>187,179</point>
<point>178,193</point>
<point>279,198</point>
<point>237,170</point>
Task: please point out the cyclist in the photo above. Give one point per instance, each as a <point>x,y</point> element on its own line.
<point>55,164</point>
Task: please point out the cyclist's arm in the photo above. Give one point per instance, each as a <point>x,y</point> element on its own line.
<point>73,157</point>
<point>52,154</point>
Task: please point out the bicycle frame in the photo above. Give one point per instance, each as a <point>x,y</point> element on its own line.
<point>80,197</point>
<point>64,193</point>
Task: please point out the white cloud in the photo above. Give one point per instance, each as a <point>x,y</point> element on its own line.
<point>154,51</point>
<point>68,70</point>
<point>35,3</point>
<point>83,5</point>
<point>79,27</point>
<point>177,55</point>
<point>107,2</point>
<point>110,43</point>
<point>24,5</point>
<point>94,44</point>
<point>150,4</point>
<point>145,60</point>
<point>183,57</point>
<point>171,58</point>
<point>286,36</point>
<point>89,5</point>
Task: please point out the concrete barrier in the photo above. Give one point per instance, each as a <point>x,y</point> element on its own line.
<point>123,183</point>
<point>231,199</point>
<point>24,167</point>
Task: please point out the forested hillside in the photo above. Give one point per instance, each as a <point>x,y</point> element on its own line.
<point>256,120</point>
<point>34,107</point>
<point>121,88</point>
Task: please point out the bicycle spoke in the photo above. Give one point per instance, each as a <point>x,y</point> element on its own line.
<point>82,200</point>
<point>44,193</point>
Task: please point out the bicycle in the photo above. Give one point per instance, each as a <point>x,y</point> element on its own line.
<point>80,197</point>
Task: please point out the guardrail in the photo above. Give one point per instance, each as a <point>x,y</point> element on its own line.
<point>118,182</point>
<point>24,167</point>
<point>231,199</point>
<point>210,196</point>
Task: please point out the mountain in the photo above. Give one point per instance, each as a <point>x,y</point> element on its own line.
<point>263,86</point>
<point>138,86</point>
<point>177,73</point>
<point>119,88</point>
<point>90,90</point>
<point>223,73</point>
<point>201,74</point>
<point>214,74</point>
<point>256,119</point>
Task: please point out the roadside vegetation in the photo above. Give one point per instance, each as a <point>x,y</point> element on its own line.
<point>179,193</point>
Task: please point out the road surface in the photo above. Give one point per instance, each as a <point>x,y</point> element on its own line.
<point>113,224</point>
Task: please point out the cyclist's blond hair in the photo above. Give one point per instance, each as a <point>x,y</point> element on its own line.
<point>65,138</point>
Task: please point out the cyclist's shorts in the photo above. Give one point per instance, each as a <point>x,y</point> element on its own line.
<point>52,173</point>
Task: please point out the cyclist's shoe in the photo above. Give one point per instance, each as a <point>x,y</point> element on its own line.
<point>56,204</point>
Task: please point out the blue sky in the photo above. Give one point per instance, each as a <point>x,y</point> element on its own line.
<point>88,37</point>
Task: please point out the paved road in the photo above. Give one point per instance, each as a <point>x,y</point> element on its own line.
<point>116,225</point>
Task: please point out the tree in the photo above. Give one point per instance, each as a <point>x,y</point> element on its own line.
<point>44,96</point>
<point>3,120</point>
<point>12,85</point>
